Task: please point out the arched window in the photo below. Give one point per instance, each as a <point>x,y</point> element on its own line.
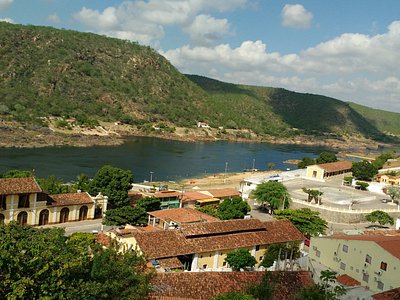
<point>22,218</point>
<point>83,211</point>
<point>2,219</point>
<point>44,217</point>
<point>64,213</point>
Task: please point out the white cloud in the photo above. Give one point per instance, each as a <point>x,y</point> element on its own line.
<point>53,18</point>
<point>296,16</point>
<point>99,20</point>
<point>206,30</point>
<point>350,67</point>
<point>4,4</point>
<point>8,20</point>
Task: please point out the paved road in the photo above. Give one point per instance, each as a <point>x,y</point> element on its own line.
<point>81,226</point>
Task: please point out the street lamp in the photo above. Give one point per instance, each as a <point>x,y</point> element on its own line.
<point>151,176</point>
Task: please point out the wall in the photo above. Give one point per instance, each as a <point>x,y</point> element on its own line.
<point>318,170</point>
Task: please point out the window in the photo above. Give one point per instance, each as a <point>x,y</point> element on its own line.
<point>365,277</point>
<point>224,264</point>
<point>257,247</point>
<point>368,259</point>
<point>261,257</point>
<point>23,201</point>
<point>380,285</point>
<point>3,202</point>
<point>317,253</point>
<point>343,266</point>
<point>383,266</point>
<point>345,248</point>
<point>205,266</point>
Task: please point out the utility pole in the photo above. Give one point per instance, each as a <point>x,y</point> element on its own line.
<point>226,169</point>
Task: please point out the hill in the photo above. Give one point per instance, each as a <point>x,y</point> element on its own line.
<point>50,74</point>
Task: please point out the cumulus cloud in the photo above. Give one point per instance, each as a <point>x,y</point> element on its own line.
<point>8,20</point>
<point>53,18</point>
<point>4,4</point>
<point>296,16</point>
<point>206,30</point>
<point>368,66</point>
<point>145,20</point>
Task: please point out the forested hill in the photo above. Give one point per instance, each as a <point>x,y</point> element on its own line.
<point>49,72</point>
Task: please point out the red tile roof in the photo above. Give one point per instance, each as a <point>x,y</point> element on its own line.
<point>70,199</point>
<point>223,235</point>
<point>388,295</point>
<point>223,193</point>
<point>337,166</point>
<point>207,285</point>
<point>347,280</point>
<point>167,194</point>
<point>182,215</point>
<point>172,263</point>
<point>193,196</point>
<point>390,243</point>
<point>14,186</point>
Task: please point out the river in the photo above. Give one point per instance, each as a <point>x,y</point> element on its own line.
<point>151,157</point>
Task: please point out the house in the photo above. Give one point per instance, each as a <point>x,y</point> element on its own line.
<point>191,199</point>
<point>393,294</point>
<point>168,198</point>
<point>323,171</point>
<point>175,217</point>
<point>208,285</point>
<point>203,198</point>
<point>22,200</point>
<point>388,179</point>
<point>202,125</point>
<point>204,245</point>
<point>372,259</point>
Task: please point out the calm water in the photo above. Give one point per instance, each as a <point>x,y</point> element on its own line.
<point>168,160</point>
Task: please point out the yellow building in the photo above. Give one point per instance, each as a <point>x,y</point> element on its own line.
<point>323,171</point>
<point>204,246</point>
<point>22,200</point>
<point>372,260</point>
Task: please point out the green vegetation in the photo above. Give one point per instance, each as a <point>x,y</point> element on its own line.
<point>281,251</point>
<point>379,216</point>
<point>313,194</point>
<point>364,170</point>
<point>63,73</point>
<point>235,296</point>
<point>306,161</point>
<point>231,208</point>
<point>126,215</point>
<point>307,221</point>
<point>326,157</point>
<point>393,192</point>
<point>273,193</point>
<point>45,264</point>
<point>363,185</point>
<point>149,203</point>
<point>240,259</point>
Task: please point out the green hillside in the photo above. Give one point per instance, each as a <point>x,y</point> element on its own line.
<point>49,72</point>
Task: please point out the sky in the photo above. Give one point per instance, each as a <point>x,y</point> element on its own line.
<point>349,50</point>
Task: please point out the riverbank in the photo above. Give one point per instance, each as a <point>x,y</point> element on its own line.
<point>20,135</point>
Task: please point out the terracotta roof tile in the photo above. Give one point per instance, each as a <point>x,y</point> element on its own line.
<point>238,234</point>
<point>182,215</point>
<point>347,280</point>
<point>193,196</point>
<point>13,186</point>
<point>70,199</point>
<point>337,166</point>
<point>103,240</point>
<point>171,262</point>
<point>167,194</point>
<point>207,285</point>
<point>223,193</point>
<point>388,295</point>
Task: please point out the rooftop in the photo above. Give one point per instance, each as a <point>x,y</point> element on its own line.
<point>193,196</point>
<point>223,193</point>
<point>70,198</point>
<point>337,166</point>
<point>14,186</point>
<point>182,215</point>
<point>207,285</point>
<point>388,295</point>
<point>347,280</point>
<point>167,194</point>
<point>214,236</point>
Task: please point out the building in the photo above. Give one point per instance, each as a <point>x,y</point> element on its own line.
<point>204,246</point>
<point>203,198</point>
<point>251,183</point>
<point>371,259</point>
<point>323,171</point>
<point>388,295</point>
<point>175,217</point>
<point>193,199</point>
<point>388,179</point>
<point>168,198</point>
<point>22,200</point>
<point>208,285</point>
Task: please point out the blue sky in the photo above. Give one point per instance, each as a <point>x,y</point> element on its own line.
<point>345,49</point>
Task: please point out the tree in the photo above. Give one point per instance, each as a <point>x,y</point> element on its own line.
<point>233,208</point>
<point>274,193</point>
<point>379,216</point>
<point>363,185</point>
<point>307,221</point>
<point>270,165</point>
<point>126,215</point>
<point>240,259</point>
<point>286,251</point>
<point>313,194</point>
<point>17,174</point>
<point>234,296</point>
<point>53,185</point>
<point>364,170</point>
<point>306,161</point>
<point>211,210</point>
<point>82,182</point>
<point>393,192</point>
<point>382,159</point>
<point>45,264</point>
<point>326,157</point>
<point>149,203</point>
<point>114,183</point>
